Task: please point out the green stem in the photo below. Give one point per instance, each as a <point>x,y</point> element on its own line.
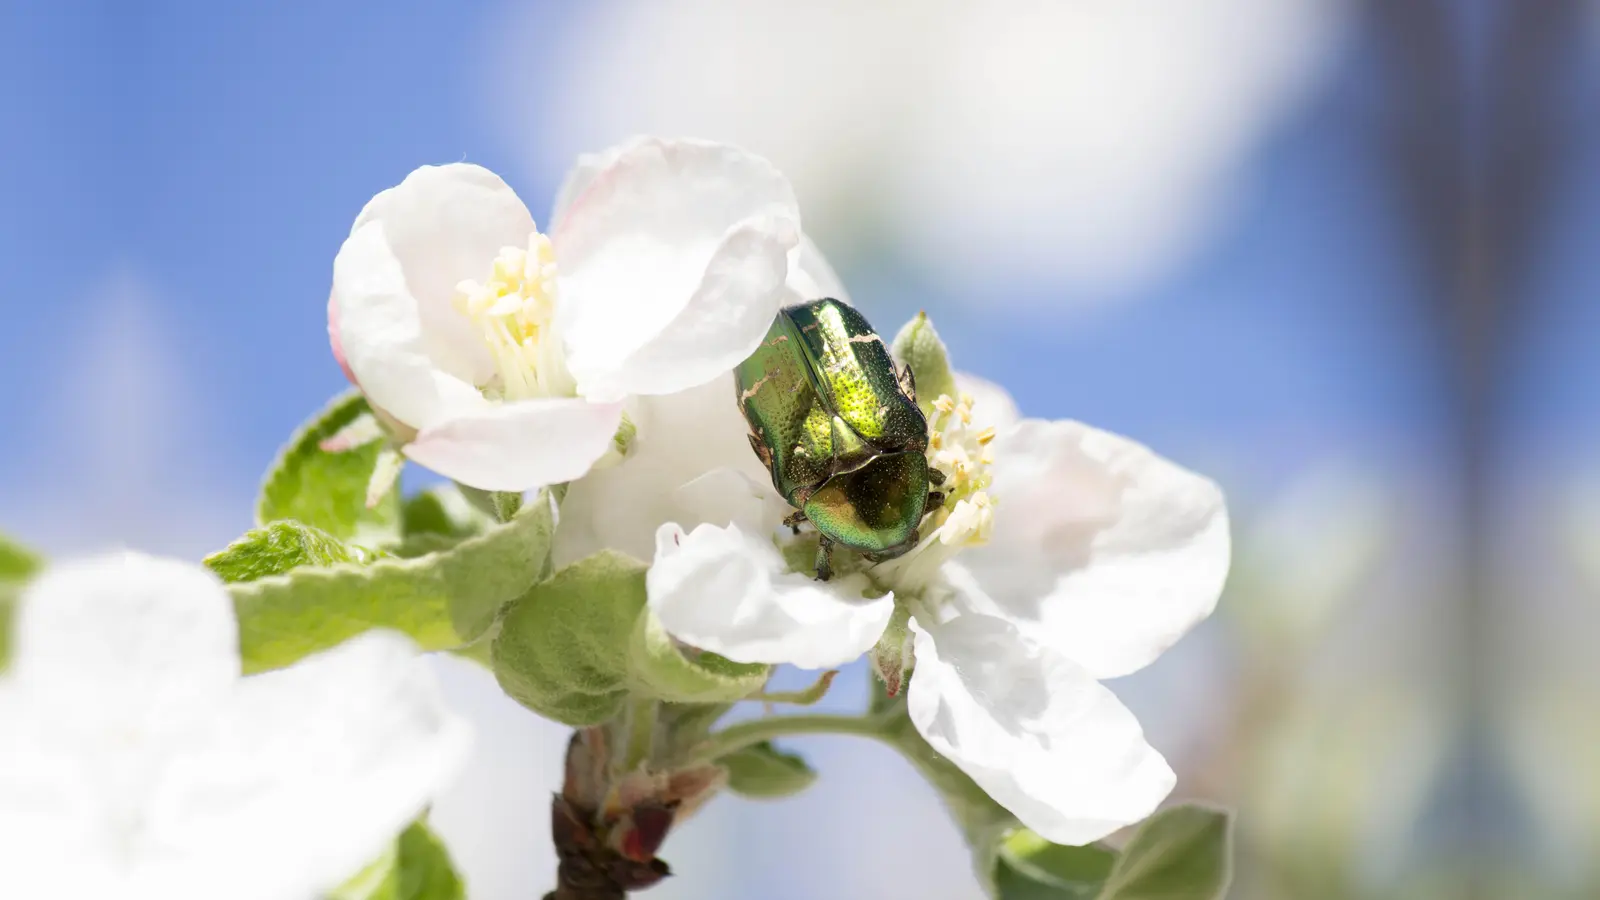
<point>641,731</point>
<point>745,734</point>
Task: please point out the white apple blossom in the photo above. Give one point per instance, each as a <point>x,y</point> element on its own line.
<point>136,763</point>
<point>1087,145</point>
<point>1062,555</point>
<point>501,356</point>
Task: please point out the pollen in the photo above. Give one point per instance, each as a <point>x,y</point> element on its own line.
<point>513,311</point>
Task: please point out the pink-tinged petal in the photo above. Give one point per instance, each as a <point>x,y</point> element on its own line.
<point>1033,729</point>
<point>125,641</point>
<point>312,770</point>
<point>519,446</point>
<point>992,405</point>
<point>583,173</point>
<point>446,224</point>
<point>672,264</point>
<point>1101,549</point>
<point>333,338</point>
<point>384,340</point>
<point>731,592</point>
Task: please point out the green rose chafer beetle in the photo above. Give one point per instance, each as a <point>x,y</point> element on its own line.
<point>837,426</point>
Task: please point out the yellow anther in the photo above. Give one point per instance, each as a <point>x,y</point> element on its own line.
<point>964,455</point>
<point>512,311</point>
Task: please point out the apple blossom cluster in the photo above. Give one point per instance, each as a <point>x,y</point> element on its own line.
<point>610,547</point>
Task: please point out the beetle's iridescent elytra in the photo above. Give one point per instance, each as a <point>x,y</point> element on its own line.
<point>836,424</point>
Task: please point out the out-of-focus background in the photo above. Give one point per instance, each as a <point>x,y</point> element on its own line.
<point>1336,254</point>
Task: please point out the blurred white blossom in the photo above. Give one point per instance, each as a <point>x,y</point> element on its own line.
<point>135,762</point>
<point>1085,144</point>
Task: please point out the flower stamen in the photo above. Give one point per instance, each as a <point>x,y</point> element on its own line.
<point>514,310</point>
<point>963,454</point>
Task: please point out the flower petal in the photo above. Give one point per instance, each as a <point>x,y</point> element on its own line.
<point>446,224</point>
<point>730,592</point>
<point>810,275</point>
<point>730,497</point>
<point>672,265</point>
<point>679,439</point>
<point>334,343</point>
<point>51,822</point>
<point>382,340</point>
<point>125,641</point>
<point>583,173</point>
<point>1101,549</point>
<point>1033,729</point>
<point>519,446</point>
<point>312,769</point>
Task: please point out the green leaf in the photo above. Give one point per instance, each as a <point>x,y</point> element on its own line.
<point>1182,853</point>
<point>380,880</point>
<point>17,565</point>
<point>443,600</point>
<point>562,649</point>
<point>919,346</point>
<point>659,668</point>
<point>438,519</point>
<point>9,590</point>
<point>426,871</point>
<point>764,772</point>
<point>329,490</point>
<point>416,867</point>
<point>16,561</point>
<point>1029,867</point>
<point>281,547</point>
<point>445,512</point>
<point>497,505</point>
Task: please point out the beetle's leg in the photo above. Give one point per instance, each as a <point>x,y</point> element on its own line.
<point>935,500</point>
<point>824,557</point>
<point>936,477</point>
<point>794,519</point>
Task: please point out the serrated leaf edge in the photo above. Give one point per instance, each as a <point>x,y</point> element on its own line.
<point>312,423</point>
<point>243,592</point>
